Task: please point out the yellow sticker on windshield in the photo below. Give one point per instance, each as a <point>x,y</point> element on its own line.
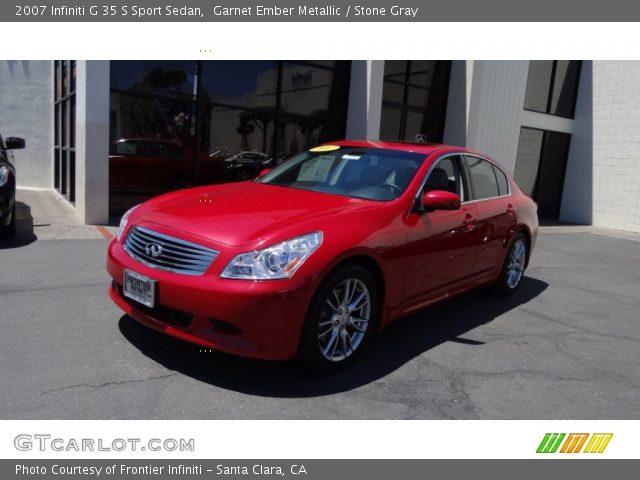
<point>325,148</point>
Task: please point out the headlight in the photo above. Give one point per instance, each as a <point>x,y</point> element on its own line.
<point>275,262</point>
<point>4,175</point>
<point>123,222</point>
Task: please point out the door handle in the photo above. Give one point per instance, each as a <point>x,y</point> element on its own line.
<point>469,219</point>
<point>510,209</point>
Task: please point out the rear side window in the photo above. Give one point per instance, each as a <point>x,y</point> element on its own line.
<point>503,183</point>
<point>482,177</point>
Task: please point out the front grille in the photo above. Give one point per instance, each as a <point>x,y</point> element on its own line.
<point>163,252</point>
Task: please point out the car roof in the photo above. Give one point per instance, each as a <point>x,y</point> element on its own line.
<point>421,148</point>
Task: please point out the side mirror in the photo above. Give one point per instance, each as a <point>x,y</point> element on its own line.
<point>14,143</point>
<point>440,200</point>
<point>263,172</point>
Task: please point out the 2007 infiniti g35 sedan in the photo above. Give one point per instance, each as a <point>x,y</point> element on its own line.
<point>313,257</point>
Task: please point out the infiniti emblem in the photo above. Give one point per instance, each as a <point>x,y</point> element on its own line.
<point>153,250</point>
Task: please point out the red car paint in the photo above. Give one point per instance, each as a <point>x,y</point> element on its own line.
<point>417,258</point>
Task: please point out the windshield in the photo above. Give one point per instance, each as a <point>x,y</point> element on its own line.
<point>370,173</point>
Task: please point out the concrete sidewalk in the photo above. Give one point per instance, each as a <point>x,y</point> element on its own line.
<point>45,215</point>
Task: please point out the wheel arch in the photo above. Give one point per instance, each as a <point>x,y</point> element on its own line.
<point>369,263</point>
<point>524,230</point>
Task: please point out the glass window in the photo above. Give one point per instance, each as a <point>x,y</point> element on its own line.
<point>483,181</point>
<point>414,99</point>
<point>305,89</point>
<point>312,108</point>
<point>64,118</point>
<point>552,86</point>
<point>528,159</point>
<point>248,84</point>
<point>446,175</point>
<point>227,131</point>
<point>503,182</point>
<point>538,85</point>
<point>144,117</point>
<point>154,77</point>
<point>540,168</point>
<point>390,122</point>
<point>375,174</point>
<point>565,86</point>
<point>225,120</point>
<point>393,92</point>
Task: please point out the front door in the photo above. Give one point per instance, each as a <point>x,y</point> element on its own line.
<point>441,243</point>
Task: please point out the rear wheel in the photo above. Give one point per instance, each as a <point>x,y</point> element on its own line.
<point>341,319</point>
<point>514,266</point>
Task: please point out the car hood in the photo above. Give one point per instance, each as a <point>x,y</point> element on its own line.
<point>248,212</point>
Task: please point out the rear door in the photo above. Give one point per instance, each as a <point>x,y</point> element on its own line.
<point>495,213</point>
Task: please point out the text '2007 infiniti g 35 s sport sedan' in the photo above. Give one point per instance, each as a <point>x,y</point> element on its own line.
<point>313,257</point>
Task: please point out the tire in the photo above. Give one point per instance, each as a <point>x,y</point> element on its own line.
<point>9,231</point>
<point>514,266</point>
<point>332,335</point>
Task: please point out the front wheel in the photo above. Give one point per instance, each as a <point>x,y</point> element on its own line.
<point>341,318</point>
<point>514,265</point>
<point>9,231</point>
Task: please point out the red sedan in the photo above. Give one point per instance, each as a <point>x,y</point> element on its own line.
<point>313,257</point>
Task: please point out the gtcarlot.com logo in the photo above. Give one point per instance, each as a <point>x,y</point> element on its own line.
<point>574,443</point>
<point>44,442</point>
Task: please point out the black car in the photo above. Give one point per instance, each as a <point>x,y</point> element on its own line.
<point>246,165</point>
<point>8,186</point>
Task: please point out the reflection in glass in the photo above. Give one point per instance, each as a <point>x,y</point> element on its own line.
<point>154,77</point>
<point>552,86</point>
<point>528,159</point>
<point>247,84</point>
<point>414,99</point>
<point>228,119</point>
<point>565,85</point>
<point>64,111</point>
<point>142,117</point>
<point>390,121</point>
<point>538,85</point>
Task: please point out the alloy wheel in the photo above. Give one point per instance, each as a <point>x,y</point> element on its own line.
<point>515,264</point>
<point>345,319</point>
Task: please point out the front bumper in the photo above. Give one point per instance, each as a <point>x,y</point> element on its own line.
<point>252,319</point>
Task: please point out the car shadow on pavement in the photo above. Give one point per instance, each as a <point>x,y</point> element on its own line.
<point>24,229</point>
<point>393,347</point>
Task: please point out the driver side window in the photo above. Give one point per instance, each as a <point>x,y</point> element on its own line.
<point>446,175</point>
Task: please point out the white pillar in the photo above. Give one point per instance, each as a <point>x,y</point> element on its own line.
<point>365,99</point>
<point>92,141</point>
<point>457,119</point>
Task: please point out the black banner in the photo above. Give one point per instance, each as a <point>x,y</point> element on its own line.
<point>319,11</point>
<point>318,469</point>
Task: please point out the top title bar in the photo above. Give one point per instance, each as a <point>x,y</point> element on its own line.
<point>319,11</point>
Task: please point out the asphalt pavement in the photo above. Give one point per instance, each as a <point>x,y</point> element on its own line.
<point>565,346</point>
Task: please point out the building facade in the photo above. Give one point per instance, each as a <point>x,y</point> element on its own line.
<point>108,134</point>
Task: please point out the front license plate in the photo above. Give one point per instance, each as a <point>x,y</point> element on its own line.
<point>140,288</point>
